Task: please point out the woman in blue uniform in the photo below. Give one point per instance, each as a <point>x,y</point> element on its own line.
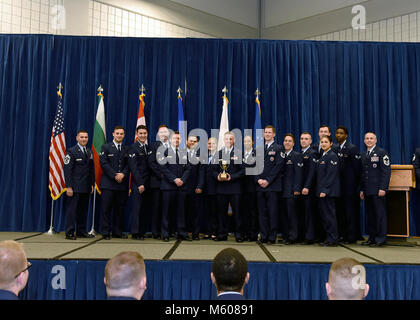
<point>328,189</point>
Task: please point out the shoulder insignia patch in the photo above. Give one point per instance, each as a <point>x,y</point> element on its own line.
<point>386,160</point>
<point>67,159</point>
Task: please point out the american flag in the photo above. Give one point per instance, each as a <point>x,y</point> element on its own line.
<point>57,151</point>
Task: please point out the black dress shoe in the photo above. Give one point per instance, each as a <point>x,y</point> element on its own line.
<point>221,239</point>
<point>184,238</point>
<point>120,236</point>
<point>271,241</point>
<point>165,239</point>
<point>195,237</point>
<point>239,240</point>
<point>263,241</point>
<point>106,237</point>
<point>377,244</point>
<point>308,242</point>
<point>289,242</point>
<point>328,244</point>
<point>84,235</point>
<point>71,236</point>
<point>156,236</point>
<point>368,243</point>
<point>138,236</point>
<point>349,242</point>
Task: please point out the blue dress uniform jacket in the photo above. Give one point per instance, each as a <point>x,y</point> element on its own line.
<point>7,295</point>
<point>248,181</point>
<point>274,161</point>
<point>80,176</point>
<point>79,171</point>
<point>173,197</point>
<point>328,182</point>
<point>230,296</point>
<point>350,167</point>
<point>210,182</point>
<point>138,163</point>
<point>376,172</point>
<point>293,174</point>
<point>328,175</point>
<point>210,192</point>
<point>236,172</point>
<point>292,182</point>
<point>310,157</point>
<point>348,205</point>
<point>318,151</point>
<point>177,166</point>
<point>416,164</point>
<point>310,215</point>
<point>196,179</point>
<point>113,162</point>
<point>229,192</point>
<point>114,194</point>
<point>249,198</point>
<point>155,173</point>
<point>194,201</point>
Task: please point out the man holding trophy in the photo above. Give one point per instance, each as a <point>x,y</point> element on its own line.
<point>228,172</point>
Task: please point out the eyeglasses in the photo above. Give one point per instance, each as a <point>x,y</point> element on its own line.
<point>28,265</point>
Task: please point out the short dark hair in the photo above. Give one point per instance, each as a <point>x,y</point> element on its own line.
<point>82,131</point>
<point>118,128</point>
<point>141,126</point>
<point>346,131</point>
<point>229,270</point>
<point>325,126</point>
<point>306,132</point>
<point>290,135</point>
<point>328,137</point>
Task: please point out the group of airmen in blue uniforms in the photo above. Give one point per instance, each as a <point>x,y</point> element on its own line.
<point>311,195</point>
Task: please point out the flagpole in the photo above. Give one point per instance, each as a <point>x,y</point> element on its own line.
<point>51,229</point>
<point>92,231</point>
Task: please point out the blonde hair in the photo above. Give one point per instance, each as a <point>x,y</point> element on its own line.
<point>340,279</point>
<point>12,262</point>
<point>124,270</point>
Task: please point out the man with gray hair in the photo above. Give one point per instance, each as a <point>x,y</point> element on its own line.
<point>13,269</point>
<point>125,276</point>
<point>347,280</point>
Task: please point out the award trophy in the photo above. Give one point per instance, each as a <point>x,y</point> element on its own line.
<point>224,165</point>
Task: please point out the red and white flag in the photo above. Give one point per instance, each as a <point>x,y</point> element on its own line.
<point>57,183</point>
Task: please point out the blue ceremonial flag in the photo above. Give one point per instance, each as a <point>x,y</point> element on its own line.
<point>259,140</point>
<point>181,124</point>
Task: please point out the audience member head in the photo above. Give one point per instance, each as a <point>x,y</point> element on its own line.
<point>125,275</point>
<point>347,280</point>
<point>13,266</point>
<point>229,271</point>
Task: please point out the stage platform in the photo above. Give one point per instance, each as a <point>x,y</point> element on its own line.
<point>179,270</point>
<point>56,247</point>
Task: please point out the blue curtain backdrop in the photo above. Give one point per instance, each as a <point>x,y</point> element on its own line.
<point>365,86</point>
<point>190,280</point>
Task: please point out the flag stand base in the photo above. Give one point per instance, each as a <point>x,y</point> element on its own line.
<point>50,231</point>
